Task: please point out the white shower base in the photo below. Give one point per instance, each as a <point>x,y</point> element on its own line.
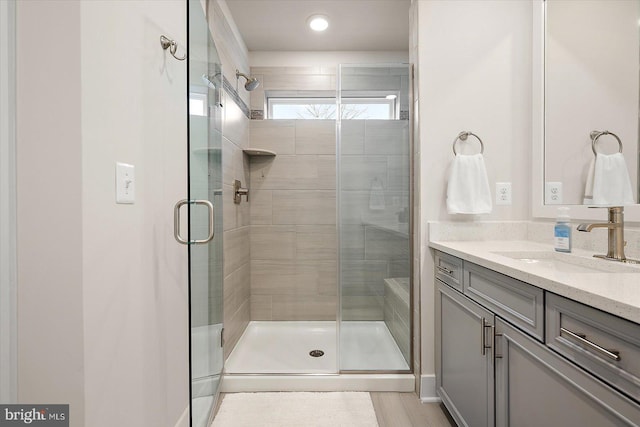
<point>281,350</point>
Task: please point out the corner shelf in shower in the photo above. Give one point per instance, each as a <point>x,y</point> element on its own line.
<point>259,152</point>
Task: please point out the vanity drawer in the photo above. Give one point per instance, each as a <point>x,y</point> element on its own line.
<point>517,302</point>
<point>449,270</point>
<point>603,344</point>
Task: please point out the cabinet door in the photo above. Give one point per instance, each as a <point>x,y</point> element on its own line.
<point>464,358</point>
<point>537,387</point>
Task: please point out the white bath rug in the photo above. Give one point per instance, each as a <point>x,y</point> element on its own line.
<point>299,409</point>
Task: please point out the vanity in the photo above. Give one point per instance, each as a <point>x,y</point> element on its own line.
<point>528,336</point>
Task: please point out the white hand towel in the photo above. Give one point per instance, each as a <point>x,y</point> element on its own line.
<point>468,187</point>
<point>611,182</point>
<point>588,189</point>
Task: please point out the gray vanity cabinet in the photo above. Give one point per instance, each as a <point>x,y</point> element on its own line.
<point>535,387</point>
<point>496,364</point>
<point>465,379</point>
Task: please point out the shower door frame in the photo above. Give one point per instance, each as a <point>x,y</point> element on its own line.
<point>411,229</point>
<point>212,85</point>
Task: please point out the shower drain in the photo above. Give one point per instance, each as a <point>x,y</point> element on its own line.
<point>316,353</point>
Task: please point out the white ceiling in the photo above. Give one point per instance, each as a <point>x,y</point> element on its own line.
<point>360,25</point>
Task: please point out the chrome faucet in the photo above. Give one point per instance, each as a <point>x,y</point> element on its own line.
<point>615,226</point>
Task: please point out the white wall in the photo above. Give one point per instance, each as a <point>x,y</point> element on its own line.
<point>8,320</point>
<point>103,287</point>
<point>49,207</point>
<point>134,272</point>
<point>474,74</point>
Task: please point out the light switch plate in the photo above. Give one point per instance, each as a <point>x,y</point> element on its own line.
<point>503,193</point>
<point>125,183</point>
<point>553,193</point>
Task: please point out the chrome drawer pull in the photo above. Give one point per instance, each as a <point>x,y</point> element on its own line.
<point>582,338</point>
<point>444,270</point>
<point>483,337</point>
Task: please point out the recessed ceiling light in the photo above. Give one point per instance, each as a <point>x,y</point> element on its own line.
<point>318,22</point>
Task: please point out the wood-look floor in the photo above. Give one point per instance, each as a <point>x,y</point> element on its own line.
<point>406,410</point>
<point>403,410</point>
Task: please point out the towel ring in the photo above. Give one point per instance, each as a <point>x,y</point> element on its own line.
<point>597,134</point>
<point>462,136</point>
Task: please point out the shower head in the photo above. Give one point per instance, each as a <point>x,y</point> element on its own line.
<point>251,84</point>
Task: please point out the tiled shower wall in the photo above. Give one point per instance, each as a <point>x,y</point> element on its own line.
<point>235,130</point>
<point>293,232</point>
<point>375,240</point>
<point>293,203</point>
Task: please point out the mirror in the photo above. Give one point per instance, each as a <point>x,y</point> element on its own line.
<point>591,83</point>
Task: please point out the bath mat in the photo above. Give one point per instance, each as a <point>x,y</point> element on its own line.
<point>296,409</point>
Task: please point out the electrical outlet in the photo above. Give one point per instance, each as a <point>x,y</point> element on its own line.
<point>553,193</point>
<point>503,193</point>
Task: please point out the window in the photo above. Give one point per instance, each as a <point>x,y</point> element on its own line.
<point>197,104</point>
<point>310,108</point>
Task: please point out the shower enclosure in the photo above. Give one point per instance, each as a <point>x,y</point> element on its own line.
<point>330,237</point>
<point>204,207</point>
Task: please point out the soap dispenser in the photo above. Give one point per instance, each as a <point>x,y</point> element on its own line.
<point>562,231</point>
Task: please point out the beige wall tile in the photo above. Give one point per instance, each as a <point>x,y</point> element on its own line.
<point>352,137</point>
<point>236,326</point>
<point>273,242</point>
<point>229,208</point>
<point>228,171</point>
<point>317,242</point>
<point>304,207</point>
<point>301,307</point>
<point>236,124</point>
<point>362,308</point>
<point>386,137</point>
<point>293,277</point>
<point>276,135</point>
<point>293,172</point>
<point>382,245</point>
<point>363,278</point>
<point>257,95</point>
<point>236,249</point>
<point>358,172</point>
<point>260,206</point>
<point>285,172</point>
<point>237,287</point>
<point>261,307</point>
<point>315,136</point>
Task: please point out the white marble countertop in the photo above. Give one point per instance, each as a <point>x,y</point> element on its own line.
<point>611,291</point>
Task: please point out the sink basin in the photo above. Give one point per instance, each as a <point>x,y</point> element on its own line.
<point>569,263</point>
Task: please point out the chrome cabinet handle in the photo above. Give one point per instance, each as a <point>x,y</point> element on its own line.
<point>176,221</point>
<point>483,339</point>
<point>582,338</point>
<point>444,270</point>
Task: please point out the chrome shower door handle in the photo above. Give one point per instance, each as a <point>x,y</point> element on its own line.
<point>176,221</point>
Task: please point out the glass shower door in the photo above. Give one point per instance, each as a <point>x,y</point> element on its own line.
<point>374,202</point>
<point>205,216</point>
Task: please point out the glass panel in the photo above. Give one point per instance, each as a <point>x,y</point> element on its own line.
<point>373,196</point>
<point>205,184</point>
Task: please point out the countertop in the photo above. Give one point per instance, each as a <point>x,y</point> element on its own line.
<point>617,293</point>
